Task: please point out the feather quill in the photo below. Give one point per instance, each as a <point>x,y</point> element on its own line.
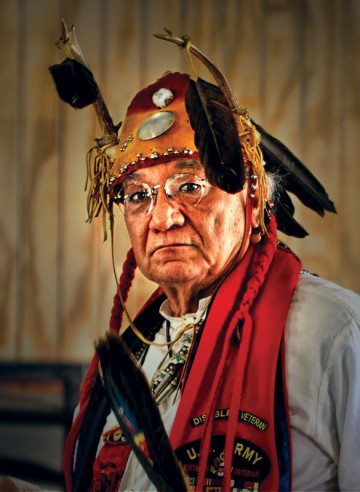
<point>138,414</point>
<point>216,135</point>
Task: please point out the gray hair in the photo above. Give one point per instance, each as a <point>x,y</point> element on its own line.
<point>274,184</point>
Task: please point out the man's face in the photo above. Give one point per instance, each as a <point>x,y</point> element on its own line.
<point>176,244</point>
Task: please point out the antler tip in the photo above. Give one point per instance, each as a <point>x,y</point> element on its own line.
<point>161,36</point>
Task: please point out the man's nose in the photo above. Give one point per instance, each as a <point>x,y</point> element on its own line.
<point>165,213</point>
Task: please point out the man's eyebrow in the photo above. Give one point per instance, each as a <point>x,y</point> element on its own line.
<point>193,164</point>
<point>131,176</point>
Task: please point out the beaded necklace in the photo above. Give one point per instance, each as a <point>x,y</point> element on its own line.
<point>168,378</point>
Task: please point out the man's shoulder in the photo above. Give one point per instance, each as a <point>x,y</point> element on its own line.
<point>322,338</point>
<point>323,300</point>
<point>322,315</point>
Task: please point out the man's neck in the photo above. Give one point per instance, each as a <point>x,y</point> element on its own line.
<point>184,300</point>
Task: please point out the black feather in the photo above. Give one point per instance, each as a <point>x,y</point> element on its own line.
<point>74,83</point>
<point>131,401</point>
<point>284,213</point>
<point>296,177</point>
<point>216,135</point>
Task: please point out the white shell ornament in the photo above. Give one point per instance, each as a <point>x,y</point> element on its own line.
<point>162,97</point>
<point>156,125</point>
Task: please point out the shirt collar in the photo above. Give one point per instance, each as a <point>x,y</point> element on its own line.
<point>176,321</point>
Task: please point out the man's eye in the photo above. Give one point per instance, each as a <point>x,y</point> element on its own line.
<point>189,187</point>
<point>137,197</point>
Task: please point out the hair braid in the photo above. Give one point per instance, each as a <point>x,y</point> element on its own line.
<point>126,279</point>
<point>259,268</point>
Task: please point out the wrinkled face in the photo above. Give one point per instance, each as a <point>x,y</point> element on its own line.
<point>175,243</point>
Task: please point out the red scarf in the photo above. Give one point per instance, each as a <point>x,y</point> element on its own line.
<point>232,378</point>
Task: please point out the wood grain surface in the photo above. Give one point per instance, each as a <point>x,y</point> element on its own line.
<point>293,64</point>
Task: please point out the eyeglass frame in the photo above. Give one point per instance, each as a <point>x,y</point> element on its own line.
<point>153,191</point>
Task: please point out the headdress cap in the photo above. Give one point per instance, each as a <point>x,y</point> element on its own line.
<point>153,134</point>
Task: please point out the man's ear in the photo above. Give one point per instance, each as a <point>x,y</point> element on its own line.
<point>255,213</point>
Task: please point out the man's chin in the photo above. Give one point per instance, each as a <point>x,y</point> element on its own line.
<point>174,271</point>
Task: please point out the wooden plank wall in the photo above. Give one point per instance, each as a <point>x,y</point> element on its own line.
<point>293,63</point>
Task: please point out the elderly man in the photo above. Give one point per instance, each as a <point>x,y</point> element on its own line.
<point>252,362</point>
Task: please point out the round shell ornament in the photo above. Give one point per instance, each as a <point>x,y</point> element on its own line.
<point>156,125</point>
<point>162,97</point>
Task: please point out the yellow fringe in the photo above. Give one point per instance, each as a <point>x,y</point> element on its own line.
<point>98,166</point>
<point>253,160</point>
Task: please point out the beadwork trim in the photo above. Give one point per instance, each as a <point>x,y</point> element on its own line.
<point>153,156</point>
<point>128,139</point>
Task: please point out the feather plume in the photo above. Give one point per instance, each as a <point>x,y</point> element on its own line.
<point>295,176</point>
<point>216,136</point>
<point>74,83</point>
<point>284,213</point>
<point>138,414</point>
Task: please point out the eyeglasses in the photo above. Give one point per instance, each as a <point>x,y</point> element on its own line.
<point>185,189</point>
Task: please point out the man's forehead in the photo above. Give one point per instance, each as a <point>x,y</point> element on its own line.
<point>183,165</point>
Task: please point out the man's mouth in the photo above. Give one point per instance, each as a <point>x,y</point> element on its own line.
<point>169,246</point>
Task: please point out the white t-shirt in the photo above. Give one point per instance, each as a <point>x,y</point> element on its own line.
<point>323,381</point>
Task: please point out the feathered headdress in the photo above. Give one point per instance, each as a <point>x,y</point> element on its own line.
<point>231,146</point>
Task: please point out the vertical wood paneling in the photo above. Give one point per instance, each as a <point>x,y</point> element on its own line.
<point>293,63</point>
<point>160,56</point>
<point>81,240</point>
<point>20,196</point>
<point>283,73</point>
<point>8,178</point>
<point>281,83</point>
<point>243,61</point>
<point>349,155</point>
<point>61,226</point>
<point>321,137</point>
<point>203,22</point>
<point>38,299</point>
